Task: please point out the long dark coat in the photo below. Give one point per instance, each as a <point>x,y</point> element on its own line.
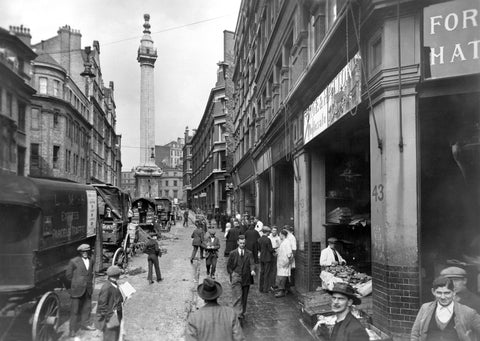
<point>246,265</point>
<point>350,330</point>
<point>232,238</point>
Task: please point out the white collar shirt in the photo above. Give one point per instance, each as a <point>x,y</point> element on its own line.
<point>444,313</point>
<point>86,261</point>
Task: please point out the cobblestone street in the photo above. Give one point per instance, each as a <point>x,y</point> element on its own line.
<point>158,311</point>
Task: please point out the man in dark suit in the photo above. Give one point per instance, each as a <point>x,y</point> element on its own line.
<point>212,244</point>
<point>347,327</point>
<point>266,260</point>
<point>241,268</point>
<point>197,241</point>
<point>153,251</point>
<point>252,237</point>
<point>80,274</point>
<point>109,310</point>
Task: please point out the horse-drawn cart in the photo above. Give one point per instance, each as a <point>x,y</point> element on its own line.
<point>42,222</point>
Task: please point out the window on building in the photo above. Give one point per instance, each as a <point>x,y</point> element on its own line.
<point>94,168</point>
<point>21,116</point>
<point>175,193</point>
<point>42,85</point>
<point>9,104</point>
<point>166,183</point>
<point>376,54</point>
<point>35,122</point>
<point>34,155</point>
<point>56,88</point>
<point>175,183</point>
<point>56,152</point>
<point>56,114</point>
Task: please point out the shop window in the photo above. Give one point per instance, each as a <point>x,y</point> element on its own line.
<point>42,85</point>
<point>56,152</point>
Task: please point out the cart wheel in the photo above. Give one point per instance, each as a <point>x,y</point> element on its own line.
<point>127,247</point>
<point>46,319</point>
<point>120,258</point>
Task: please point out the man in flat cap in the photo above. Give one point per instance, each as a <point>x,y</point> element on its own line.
<point>241,268</point>
<point>347,327</point>
<point>80,274</point>
<point>266,260</point>
<point>330,256</point>
<point>462,294</point>
<point>109,309</point>
<point>212,322</point>
<point>212,245</point>
<point>443,318</point>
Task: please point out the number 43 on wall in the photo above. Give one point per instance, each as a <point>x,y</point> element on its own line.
<point>377,192</point>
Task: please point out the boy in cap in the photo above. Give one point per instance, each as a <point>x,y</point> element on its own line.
<point>330,256</point>
<point>347,327</point>
<point>462,294</point>
<point>212,244</point>
<point>109,310</point>
<point>212,321</point>
<point>80,274</point>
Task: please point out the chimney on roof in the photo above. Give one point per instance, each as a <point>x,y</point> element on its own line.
<point>23,33</point>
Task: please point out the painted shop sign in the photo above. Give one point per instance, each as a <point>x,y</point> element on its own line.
<point>340,96</point>
<point>452,34</point>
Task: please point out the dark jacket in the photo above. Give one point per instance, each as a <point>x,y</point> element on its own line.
<point>467,321</point>
<point>211,247</point>
<point>197,236</point>
<point>266,249</point>
<point>213,322</point>
<point>251,238</point>
<point>468,298</point>
<point>232,238</point>
<point>109,299</point>
<point>81,278</point>
<point>242,267</point>
<point>151,247</point>
<point>349,330</point>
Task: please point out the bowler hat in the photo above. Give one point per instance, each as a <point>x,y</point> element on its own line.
<point>113,271</point>
<point>209,289</point>
<point>453,272</point>
<point>332,240</point>
<point>347,290</point>
<point>83,247</point>
<point>266,229</point>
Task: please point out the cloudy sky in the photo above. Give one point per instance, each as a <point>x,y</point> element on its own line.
<point>188,35</point>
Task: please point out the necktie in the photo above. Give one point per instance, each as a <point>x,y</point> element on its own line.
<point>335,255</point>
<point>241,253</point>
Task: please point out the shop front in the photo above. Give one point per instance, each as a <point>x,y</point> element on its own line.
<point>449,120</point>
<point>337,144</point>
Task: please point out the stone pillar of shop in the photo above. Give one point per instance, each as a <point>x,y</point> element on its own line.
<point>394,197</point>
<point>317,213</point>
<point>216,190</point>
<point>302,224</point>
<point>257,197</point>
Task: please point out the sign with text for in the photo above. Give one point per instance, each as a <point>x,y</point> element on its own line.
<point>452,34</point>
<point>340,96</point>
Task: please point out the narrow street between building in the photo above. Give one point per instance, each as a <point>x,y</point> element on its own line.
<point>158,311</point>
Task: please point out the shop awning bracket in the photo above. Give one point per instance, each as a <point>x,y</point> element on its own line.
<point>364,73</point>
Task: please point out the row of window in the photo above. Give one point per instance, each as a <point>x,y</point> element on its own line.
<point>74,164</point>
<point>10,107</point>
<point>55,89</point>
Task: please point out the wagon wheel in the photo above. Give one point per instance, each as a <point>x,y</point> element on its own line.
<point>46,318</point>
<point>120,258</point>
